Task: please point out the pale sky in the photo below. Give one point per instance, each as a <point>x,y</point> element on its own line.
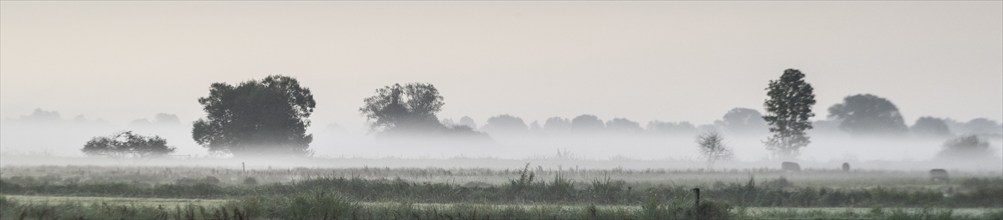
<point>641,60</point>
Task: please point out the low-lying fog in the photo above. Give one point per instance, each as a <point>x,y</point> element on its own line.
<point>64,138</point>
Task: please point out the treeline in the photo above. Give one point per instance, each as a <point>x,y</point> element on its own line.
<point>270,116</point>
<point>736,122</point>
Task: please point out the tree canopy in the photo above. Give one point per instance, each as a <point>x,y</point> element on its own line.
<point>868,114</point>
<point>557,125</point>
<point>127,144</point>
<point>411,107</point>
<point>267,116</point>
<point>967,147</point>
<point>712,148</point>
<point>505,124</point>
<point>930,126</point>
<point>787,112</point>
<point>743,121</point>
<point>623,125</point>
<point>673,128</point>
<point>587,123</point>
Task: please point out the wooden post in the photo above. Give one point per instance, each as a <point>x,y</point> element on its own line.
<point>696,208</point>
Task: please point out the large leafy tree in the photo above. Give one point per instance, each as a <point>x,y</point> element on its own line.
<point>127,144</point>
<point>411,107</point>
<point>256,117</point>
<point>868,114</point>
<point>787,112</point>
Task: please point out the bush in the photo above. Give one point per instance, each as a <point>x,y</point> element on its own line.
<point>969,147</point>
<point>127,144</point>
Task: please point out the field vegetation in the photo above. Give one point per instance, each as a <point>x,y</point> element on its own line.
<point>90,192</point>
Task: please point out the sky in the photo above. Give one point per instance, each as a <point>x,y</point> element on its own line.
<point>668,61</point>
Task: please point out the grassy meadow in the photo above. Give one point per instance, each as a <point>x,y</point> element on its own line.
<point>528,192</point>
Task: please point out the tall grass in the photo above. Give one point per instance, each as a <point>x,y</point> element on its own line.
<point>318,205</point>
<point>768,193</point>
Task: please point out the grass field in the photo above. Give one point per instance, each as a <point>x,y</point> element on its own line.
<point>102,192</point>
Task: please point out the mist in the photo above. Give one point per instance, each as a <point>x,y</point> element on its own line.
<point>501,110</point>
<point>44,134</point>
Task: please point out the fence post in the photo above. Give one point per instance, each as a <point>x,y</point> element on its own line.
<point>696,207</point>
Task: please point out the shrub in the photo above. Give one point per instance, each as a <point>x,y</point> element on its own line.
<point>127,144</point>
<point>969,147</point>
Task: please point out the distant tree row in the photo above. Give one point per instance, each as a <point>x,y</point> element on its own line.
<point>270,117</point>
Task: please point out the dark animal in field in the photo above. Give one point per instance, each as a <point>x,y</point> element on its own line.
<point>938,175</point>
<point>846,167</point>
<point>790,167</point>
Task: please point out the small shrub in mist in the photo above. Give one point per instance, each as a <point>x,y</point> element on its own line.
<point>684,207</point>
<point>712,148</point>
<point>411,107</point>
<point>968,147</point>
<point>250,181</point>
<point>127,144</point>
<point>524,181</point>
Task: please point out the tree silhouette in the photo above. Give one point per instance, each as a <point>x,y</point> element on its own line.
<point>557,125</point>
<point>712,148</point>
<point>467,121</point>
<point>505,124</point>
<point>968,147</point>
<point>587,123</point>
<point>743,121</point>
<point>930,126</point>
<point>623,125</point>
<point>127,144</point>
<point>868,114</point>
<point>787,112</point>
<point>672,128</point>
<point>983,126</point>
<point>408,108</point>
<point>166,119</point>
<point>256,117</point>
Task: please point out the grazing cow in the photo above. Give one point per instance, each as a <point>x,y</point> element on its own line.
<point>846,167</point>
<point>790,167</point>
<point>938,175</point>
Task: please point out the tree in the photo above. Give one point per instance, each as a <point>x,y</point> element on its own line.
<point>557,125</point>
<point>787,112</point>
<point>968,147</point>
<point>467,121</point>
<point>408,108</point>
<point>930,126</point>
<point>167,119</point>
<point>712,148</point>
<point>743,121</point>
<point>868,114</point>
<point>983,126</point>
<point>586,123</point>
<point>505,124</point>
<point>623,125</point>
<point>256,117</point>
<point>127,144</point>
<point>673,128</point>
